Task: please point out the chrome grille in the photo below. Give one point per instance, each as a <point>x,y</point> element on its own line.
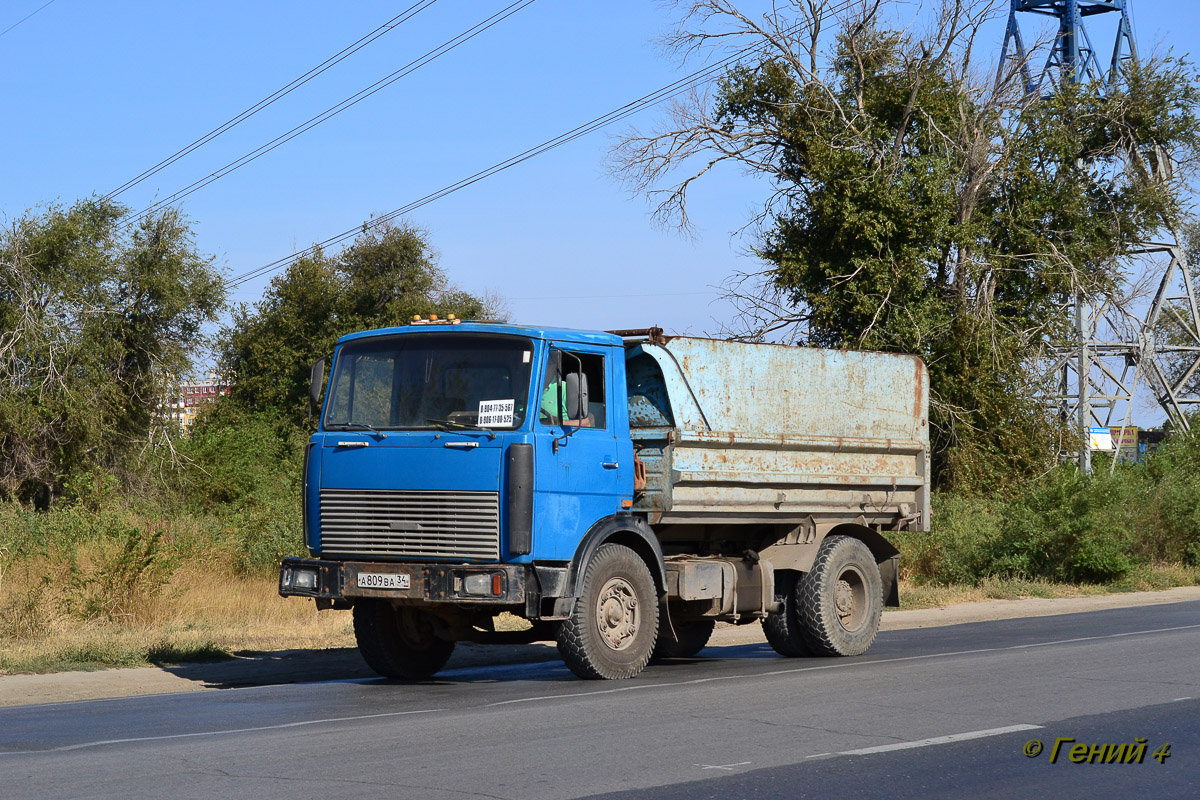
<point>356,523</point>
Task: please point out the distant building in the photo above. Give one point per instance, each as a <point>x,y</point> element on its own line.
<point>184,403</point>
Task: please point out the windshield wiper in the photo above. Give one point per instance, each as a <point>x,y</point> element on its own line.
<point>449,424</point>
<point>362,426</point>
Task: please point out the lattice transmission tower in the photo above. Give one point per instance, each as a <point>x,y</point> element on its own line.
<point>1097,371</point>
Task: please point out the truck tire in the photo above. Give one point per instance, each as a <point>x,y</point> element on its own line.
<point>783,628</point>
<point>398,642</point>
<point>612,630</point>
<point>688,639</point>
<point>840,600</point>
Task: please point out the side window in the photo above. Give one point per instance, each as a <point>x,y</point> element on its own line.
<point>567,375</point>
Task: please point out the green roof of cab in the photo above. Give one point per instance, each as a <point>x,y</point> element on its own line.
<point>532,332</point>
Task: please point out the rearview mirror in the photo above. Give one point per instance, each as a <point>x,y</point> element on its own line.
<point>314,382</point>
<point>577,395</point>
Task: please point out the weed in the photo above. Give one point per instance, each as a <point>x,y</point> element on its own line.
<point>124,581</point>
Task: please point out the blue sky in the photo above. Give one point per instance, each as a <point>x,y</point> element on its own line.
<point>93,93</point>
<point>98,92</point>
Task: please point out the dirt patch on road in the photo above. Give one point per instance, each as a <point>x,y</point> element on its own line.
<point>307,666</point>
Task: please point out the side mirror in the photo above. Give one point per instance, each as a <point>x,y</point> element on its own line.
<point>577,395</point>
<point>314,382</point>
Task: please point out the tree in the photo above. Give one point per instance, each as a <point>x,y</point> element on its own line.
<point>95,319</point>
<point>384,278</point>
<point>919,207</point>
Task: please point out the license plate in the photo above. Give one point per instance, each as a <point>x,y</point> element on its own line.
<point>377,580</point>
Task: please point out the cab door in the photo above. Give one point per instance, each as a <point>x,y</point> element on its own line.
<point>582,475</point>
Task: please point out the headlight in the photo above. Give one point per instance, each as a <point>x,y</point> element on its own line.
<point>480,584</point>
<point>484,584</point>
<point>303,579</point>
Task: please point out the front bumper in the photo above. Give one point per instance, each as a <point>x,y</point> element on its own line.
<point>337,582</point>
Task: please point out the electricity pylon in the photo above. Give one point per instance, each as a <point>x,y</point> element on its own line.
<point>1096,372</point>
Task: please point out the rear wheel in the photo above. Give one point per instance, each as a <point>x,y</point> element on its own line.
<point>783,628</point>
<point>687,639</point>
<point>839,602</point>
<point>398,642</point>
<point>612,630</point>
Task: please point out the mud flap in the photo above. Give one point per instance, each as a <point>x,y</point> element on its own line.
<point>889,572</point>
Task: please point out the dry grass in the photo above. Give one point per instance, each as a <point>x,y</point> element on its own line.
<point>932,596</point>
<point>199,614</point>
<point>1140,579</point>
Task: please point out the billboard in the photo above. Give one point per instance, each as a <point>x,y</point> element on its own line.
<point>1125,438</point>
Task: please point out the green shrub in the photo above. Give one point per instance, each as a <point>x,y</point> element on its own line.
<point>956,549</point>
<point>29,534</point>
<point>265,528</point>
<point>244,471</point>
<point>1064,529</point>
<point>1067,526</point>
<point>94,489</point>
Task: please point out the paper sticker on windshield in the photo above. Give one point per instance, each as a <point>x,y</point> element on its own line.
<point>496,413</point>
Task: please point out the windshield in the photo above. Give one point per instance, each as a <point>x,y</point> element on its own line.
<point>430,381</point>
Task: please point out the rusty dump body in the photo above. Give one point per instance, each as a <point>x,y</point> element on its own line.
<point>758,434</point>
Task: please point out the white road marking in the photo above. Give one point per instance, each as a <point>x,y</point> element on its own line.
<point>726,767</point>
<point>1180,699</point>
<point>954,737</point>
<point>819,755</point>
<point>280,726</point>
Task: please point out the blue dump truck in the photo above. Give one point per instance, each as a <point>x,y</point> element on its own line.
<point>622,492</point>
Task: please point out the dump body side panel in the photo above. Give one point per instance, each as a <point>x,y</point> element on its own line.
<point>772,434</point>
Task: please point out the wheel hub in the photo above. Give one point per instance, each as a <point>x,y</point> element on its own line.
<point>850,599</point>
<point>845,599</point>
<point>617,615</point>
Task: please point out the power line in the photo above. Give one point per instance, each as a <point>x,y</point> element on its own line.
<point>653,98</point>
<point>334,110</point>
<point>333,60</point>
<point>615,115</point>
<point>27,16</point>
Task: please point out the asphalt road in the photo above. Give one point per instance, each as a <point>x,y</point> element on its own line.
<point>939,712</point>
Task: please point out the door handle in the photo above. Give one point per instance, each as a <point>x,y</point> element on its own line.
<point>465,445</point>
<point>611,465</point>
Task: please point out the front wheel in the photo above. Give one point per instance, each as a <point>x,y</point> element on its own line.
<point>611,632</point>
<point>839,602</point>
<point>398,642</point>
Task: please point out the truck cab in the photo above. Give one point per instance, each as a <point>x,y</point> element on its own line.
<point>575,480</point>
